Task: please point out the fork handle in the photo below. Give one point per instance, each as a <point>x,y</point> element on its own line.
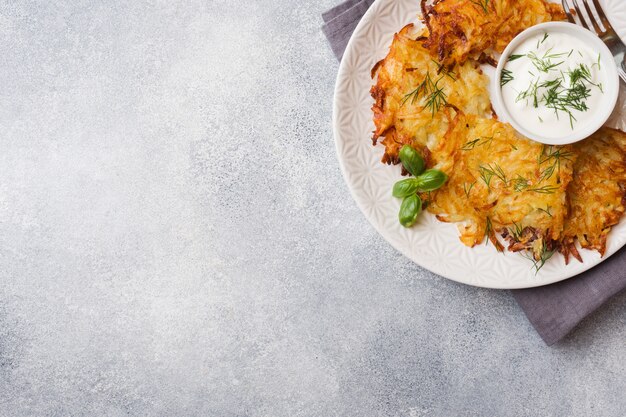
<point>618,49</point>
<point>621,66</point>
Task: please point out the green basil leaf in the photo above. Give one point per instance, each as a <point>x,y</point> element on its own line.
<point>412,160</point>
<point>409,210</point>
<point>430,180</point>
<point>405,188</point>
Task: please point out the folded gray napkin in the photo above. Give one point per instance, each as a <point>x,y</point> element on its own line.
<point>553,310</point>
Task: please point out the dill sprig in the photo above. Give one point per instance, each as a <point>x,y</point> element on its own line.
<point>471,144</point>
<point>546,210</point>
<point>547,173</point>
<point>516,231</point>
<point>514,57</point>
<point>520,183</point>
<point>553,155</point>
<point>544,255</point>
<point>530,93</point>
<point>436,99</point>
<point>445,71</point>
<point>483,4</point>
<point>487,172</point>
<point>488,230</point>
<point>544,63</point>
<point>421,89</point>
<point>467,189</point>
<point>498,172</point>
<point>433,94</point>
<point>486,175</point>
<point>505,77</point>
<point>546,189</point>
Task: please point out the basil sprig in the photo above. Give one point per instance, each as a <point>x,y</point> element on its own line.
<point>407,189</point>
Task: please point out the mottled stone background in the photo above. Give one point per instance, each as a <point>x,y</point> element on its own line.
<point>176,238</point>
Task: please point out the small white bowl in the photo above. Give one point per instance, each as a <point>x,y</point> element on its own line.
<point>611,88</point>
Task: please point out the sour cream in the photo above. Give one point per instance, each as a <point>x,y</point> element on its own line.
<point>556,83</point>
<point>552,82</point>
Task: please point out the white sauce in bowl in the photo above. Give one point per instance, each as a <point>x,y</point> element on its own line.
<point>553,83</point>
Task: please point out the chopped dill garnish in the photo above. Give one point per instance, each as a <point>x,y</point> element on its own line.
<point>520,183</point>
<point>544,256</point>
<point>547,173</point>
<point>487,140</point>
<point>483,4</point>
<point>467,189</point>
<point>597,62</point>
<point>546,189</point>
<point>488,230</point>
<point>546,210</point>
<point>414,95</point>
<point>544,63</point>
<point>564,94</point>
<point>498,172</point>
<point>540,119</point>
<point>434,96</point>
<point>485,175</point>
<point>505,77</point>
<point>516,231</point>
<point>445,71</point>
<point>469,145</point>
<point>553,155</point>
<point>436,99</point>
<point>540,41</point>
<point>530,93</point>
<point>514,57</point>
<point>489,171</point>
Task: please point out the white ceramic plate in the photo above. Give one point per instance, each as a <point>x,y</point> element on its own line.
<point>430,243</point>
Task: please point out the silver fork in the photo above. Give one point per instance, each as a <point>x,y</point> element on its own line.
<point>608,34</point>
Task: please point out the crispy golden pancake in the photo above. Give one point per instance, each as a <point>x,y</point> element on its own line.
<point>408,80</point>
<point>596,194</point>
<point>463,29</point>
<point>431,93</point>
<point>501,182</point>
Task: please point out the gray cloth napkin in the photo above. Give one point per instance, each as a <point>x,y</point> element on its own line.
<point>553,310</point>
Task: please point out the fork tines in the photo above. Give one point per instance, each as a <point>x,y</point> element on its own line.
<point>592,17</point>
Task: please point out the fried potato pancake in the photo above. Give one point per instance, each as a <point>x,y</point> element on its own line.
<point>597,193</point>
<point>411,90</point>
<point>463,29</point>
<point>501,182</point>
<point>430,93</point>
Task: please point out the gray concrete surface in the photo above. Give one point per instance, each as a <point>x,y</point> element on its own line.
<point>176,238</point>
